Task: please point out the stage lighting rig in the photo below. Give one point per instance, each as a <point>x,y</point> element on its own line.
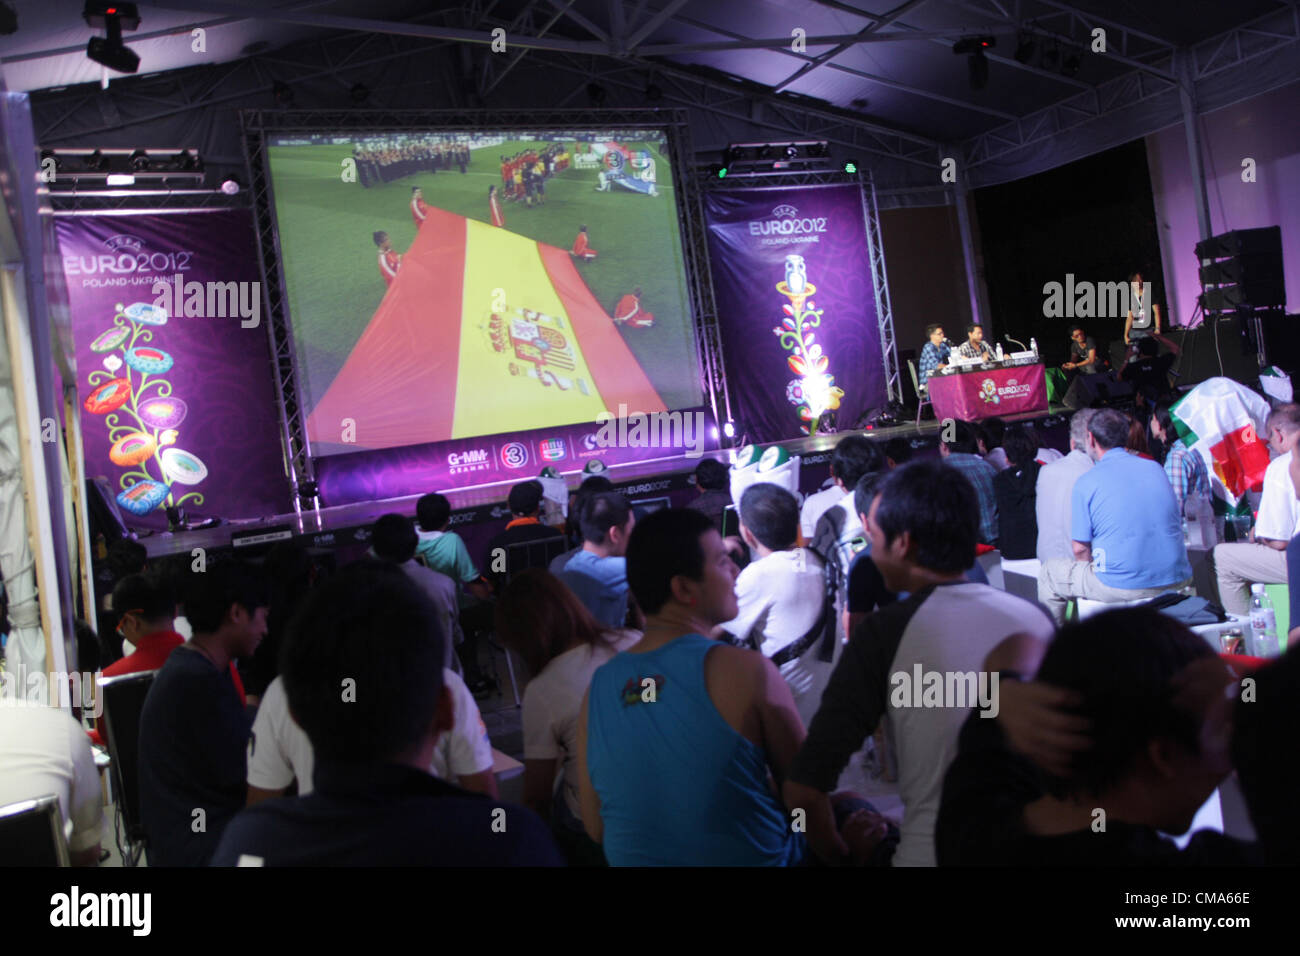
<point>113,18</point>
<point>764,159</point>
<point>84,169</point>
<point>978,63</point>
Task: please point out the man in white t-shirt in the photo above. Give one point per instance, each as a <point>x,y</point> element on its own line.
<point>923,526</point>
<point>780,596</point>
<point>1053,496</point>
<point>44,751</point>
<point>1262,560</point>
<point>279,751</point>
<point>853,457</point>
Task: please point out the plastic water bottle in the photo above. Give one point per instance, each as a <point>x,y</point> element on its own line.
<point>999,351</point>
<point>1263,623</point>
<point>1033,347</point>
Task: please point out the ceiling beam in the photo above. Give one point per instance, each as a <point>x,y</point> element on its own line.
<point>830,54</point>
<point>653,24</point>
<point>363,25</point>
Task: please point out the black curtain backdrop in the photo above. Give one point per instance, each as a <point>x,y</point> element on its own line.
<point>1094,218</point>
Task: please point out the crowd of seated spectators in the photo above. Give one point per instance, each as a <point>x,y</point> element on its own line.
<point>682,711</point>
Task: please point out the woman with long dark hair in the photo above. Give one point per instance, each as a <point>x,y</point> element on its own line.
<point>542,621</point>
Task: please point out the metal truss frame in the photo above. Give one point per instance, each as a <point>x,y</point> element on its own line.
<point>1265,35</point>
<point>875,246</point>
<point>257,124</point>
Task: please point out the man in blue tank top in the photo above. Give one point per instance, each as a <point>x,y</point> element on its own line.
<point>681,738</point>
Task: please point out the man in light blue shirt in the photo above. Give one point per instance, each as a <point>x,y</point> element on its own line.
<point>597,573</point>
<point>1125,525</point>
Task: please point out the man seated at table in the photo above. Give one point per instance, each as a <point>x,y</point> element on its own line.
<point>1083,352</point>
<point>934,354</point>
<point>975,347</point>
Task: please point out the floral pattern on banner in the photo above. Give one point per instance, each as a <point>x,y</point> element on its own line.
<point>140,414</point>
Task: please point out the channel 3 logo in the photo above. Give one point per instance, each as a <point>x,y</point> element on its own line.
<point>552,449</point>
<point>514,454</point>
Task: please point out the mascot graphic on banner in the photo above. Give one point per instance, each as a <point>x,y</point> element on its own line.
<point>814,392</point>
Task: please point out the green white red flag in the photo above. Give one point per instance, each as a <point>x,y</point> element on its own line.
<point>1223,421</point>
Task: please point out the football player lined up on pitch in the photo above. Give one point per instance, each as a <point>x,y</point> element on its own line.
<point>419,208</point>
<point>390,260</point>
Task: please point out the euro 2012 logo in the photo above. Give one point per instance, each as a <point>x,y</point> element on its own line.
<point>989,392</point>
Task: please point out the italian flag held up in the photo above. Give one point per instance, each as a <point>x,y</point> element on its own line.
<point>1222,421</point>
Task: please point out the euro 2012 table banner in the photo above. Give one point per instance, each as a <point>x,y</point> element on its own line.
<point>988,393</point>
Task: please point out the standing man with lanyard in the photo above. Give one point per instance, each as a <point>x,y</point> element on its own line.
<point>1143,313</point>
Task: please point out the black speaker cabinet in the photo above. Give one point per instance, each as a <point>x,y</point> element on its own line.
<point>1101,388</point>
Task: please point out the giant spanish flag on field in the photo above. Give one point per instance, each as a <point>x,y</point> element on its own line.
<point>1223,421</point>
<point>482,332</point>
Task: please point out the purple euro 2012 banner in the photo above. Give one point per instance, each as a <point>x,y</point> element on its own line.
<point>796,307</point>
<point>173,364</point>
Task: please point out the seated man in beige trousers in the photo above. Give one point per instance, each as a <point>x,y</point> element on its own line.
<point>1125,529</point>
<point>1263,559</point>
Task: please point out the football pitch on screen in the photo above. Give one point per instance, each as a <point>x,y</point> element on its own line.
<point>330,259</point>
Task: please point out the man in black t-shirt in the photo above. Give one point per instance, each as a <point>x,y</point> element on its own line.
<point>193,728</point>
<point>1083,352</point>
<point>1117,741</point>
<point>1149,372</point>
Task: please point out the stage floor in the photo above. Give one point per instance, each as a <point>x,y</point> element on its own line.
<point>341,518</point>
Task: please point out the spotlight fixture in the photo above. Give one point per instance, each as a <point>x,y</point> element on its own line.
<point>791,151</point>
<point>187,161</point>
<point>850,167</point>
<point>817,150</point>
<point>1026,49</point>
<point>978,63</point>
<point>113,18</point>
<point>282,92</point>
<point>230,186</point>
<point>729,429</point>
<point>96,162</point>
<point>8,20</point>
<point>139,161</point>
<point>717,169</point>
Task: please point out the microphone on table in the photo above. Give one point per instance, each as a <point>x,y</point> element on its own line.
<point>1023,347</point>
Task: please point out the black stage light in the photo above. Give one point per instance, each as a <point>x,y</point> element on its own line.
<point>139,161</point>
<point>1026,49</point>
<point>109,50</point>
<point>791,151</point>
<point>96,162</point>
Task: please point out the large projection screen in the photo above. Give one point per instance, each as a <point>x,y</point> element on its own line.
<point>446,284</point>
